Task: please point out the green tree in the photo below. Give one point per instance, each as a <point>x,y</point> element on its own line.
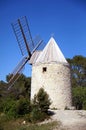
<point>21,87</point>
<point>79,97</point>
<point>40,106</point>
<point>9,108</point>
<point>78,69</point>
<point>42,100</point>
<point>23,106</point>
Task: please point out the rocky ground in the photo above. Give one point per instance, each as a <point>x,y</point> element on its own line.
<point>70,119</point>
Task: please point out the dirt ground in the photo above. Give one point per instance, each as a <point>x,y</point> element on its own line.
<point>70,119</point>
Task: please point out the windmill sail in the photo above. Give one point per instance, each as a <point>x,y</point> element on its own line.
<point>26,44</point>
<point>23,35</point>
<point>17,71</point>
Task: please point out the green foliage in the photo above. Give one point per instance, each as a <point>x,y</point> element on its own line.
<point>40,106</point>
<point>36,115</point>
<point>79,97</point>
<point>42,100</point>
<point>9,108</point>
<point>35,112</point>
<point>21,88</point>
<point>16,101</point>
<point>14,109</point>
<point>23,106</point>
<point>78,69</point>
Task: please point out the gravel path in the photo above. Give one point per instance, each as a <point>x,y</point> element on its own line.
<point>70,119</point>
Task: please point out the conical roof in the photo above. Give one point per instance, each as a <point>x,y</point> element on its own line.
<point>51,53</point>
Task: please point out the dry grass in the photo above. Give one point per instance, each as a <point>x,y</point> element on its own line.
<point>17,124</point>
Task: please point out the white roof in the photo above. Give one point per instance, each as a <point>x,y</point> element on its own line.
<point>51,53</point>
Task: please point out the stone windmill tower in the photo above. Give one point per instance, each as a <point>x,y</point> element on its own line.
<point>51,71</point>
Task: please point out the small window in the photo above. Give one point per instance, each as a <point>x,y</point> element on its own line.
<point>44,69</point>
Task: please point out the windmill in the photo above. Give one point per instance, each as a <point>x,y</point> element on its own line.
<point>26,44</point>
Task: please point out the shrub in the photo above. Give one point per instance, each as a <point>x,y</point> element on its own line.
<point>22,106</point>
<point>37,111</point>
<point>9,108</point>
<point>42,100</point>
<point>40,106</point>
<point>15,108</point>
<point>36,115</point>
<point>79,97</point>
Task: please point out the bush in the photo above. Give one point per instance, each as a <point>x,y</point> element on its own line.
<point>36,115</point>
<point>22,106</point>
<point>42,100</point>
<point>40,106</point>
<point>79,97</point>
<point>16,108</point>
<point>9,108</point>
<point>33,112</point>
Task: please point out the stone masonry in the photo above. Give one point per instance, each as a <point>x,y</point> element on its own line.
<point>55,78</point>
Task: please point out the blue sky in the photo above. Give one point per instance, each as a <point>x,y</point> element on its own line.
<point>64,19</point>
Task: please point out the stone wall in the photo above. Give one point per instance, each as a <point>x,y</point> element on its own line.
<point>55,78</point>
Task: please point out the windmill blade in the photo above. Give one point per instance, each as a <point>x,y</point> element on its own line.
<point>37,46</point>
<point>37,41</point>
<point>23,36</point>
<point>26,44</point>
<point>17,72</point>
